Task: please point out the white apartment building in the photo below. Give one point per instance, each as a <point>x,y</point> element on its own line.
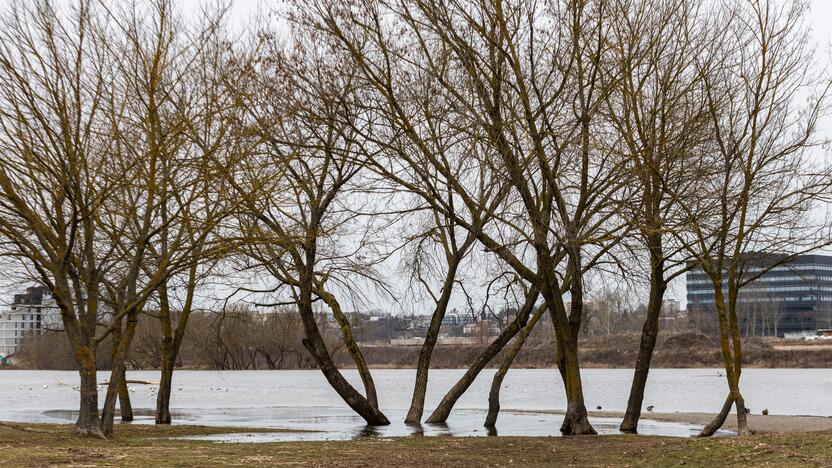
<point>30,314</point>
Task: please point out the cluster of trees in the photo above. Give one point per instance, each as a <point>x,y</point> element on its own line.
<point>530,148</point>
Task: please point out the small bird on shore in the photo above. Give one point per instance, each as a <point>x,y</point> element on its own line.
<point>650,408</point>
<point>765,412</point>
<point>747,411</point>
<point>598,407</point>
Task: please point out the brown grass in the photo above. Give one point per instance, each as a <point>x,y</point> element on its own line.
<point>135,445</point>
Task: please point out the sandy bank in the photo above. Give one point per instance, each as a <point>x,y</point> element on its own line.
<point>757,423</point>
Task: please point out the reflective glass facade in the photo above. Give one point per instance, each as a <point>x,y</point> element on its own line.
<point>793,297</point>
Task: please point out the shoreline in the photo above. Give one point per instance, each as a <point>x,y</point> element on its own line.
<point>771,424</point>
<point>759,424</point>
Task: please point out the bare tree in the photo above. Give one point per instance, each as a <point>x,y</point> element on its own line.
<point>55,173</point>
<point>756,185</point>
<point>658,112</point>
<point>528,94</point>
<point>300,195</point>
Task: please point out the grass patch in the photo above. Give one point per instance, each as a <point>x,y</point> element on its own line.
<point>144,445</point>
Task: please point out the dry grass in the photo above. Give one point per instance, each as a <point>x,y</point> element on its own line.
<point>48,445</point>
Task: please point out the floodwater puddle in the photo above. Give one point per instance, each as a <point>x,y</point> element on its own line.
<point>293,424</point>
<point>462,423</point>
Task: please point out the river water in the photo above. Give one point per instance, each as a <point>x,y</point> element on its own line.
<point>302,400</point>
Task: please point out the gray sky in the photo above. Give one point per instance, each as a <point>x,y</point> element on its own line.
<point>243,11</point>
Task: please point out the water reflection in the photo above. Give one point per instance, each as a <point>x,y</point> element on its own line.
<point>416,429</point>
<point>368,431</point>
<point>331,423</point>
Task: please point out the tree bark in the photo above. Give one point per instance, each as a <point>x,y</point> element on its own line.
<point>316,346</point>
<point>497,382</point>
<point>117,373</point>
<point>352,347</point>
<point>124,403</point>
<point>350,395</point>
<point>719,419</point>
<point>576,419</point>
<point>417,402</point>
<point>731,347</point>
<point>165,383</point>
<point>649,334</point>
<point>88,422</point>
<point>125,406</point>
<point>443,410</point>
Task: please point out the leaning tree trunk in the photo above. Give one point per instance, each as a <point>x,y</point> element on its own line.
<point>360,404</point>
<point>720,418</point>
<point>443,410</point>
<point>117,373</point>
<point>497,382</point>
<point>417,402</point>
<point>649,334</point>
<point>352,347</point>
<point>316,346</point>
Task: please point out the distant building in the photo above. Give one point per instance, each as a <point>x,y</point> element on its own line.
<point>458,319</point>
<point>30,314</point>
<point>791,298</point>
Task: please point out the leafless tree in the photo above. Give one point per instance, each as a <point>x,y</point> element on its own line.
<point>56,174</point>
<point>658,112</point>
<point>756,184</point>
<point>300,195</point>
<point>523,79</point>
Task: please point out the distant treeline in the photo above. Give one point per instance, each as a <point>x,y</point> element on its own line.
<point>242,340</point>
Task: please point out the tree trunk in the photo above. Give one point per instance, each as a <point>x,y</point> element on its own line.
<point>443,410</point>
<point>352,347</point>
<point>172,342</point>
<point>649,334</point>
<point>316,346</point>
<point>719,420</point>
<point>497,382</point>
<point>350,395</point>
<point>165,383</point>
<point>742,416</point>
<point>117,373</point>
<point>124,404</point>
<point>417,402</point>
<point>734,383</point>
<point>576,419</point>
<point>88,422</point>
<point>732,356</point>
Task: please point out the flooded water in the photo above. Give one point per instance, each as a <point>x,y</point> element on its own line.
<point>302,400</point>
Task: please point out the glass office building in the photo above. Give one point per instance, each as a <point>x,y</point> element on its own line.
<point>793,297</point>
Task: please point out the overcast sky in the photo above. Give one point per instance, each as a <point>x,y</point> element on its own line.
<point>243,11</point>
